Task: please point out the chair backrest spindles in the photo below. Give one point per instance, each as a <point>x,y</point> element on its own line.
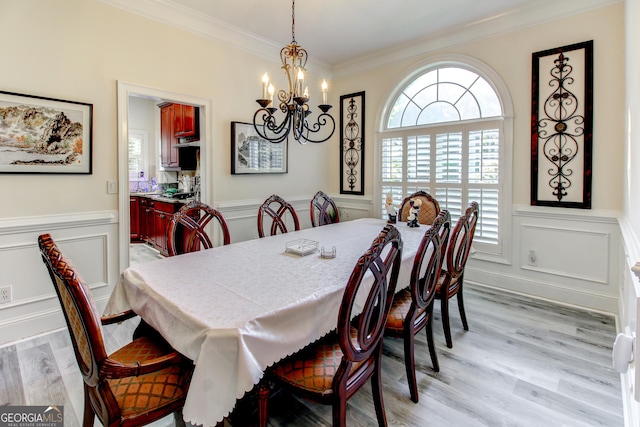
<point>276,208</point>
<point>323,210</point>
<point>429,259</point>
<point>193,218</point>
<point>461,240</point>
<point>372,319</point>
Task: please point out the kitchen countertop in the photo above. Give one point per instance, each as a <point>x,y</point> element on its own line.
<point>161,198</point>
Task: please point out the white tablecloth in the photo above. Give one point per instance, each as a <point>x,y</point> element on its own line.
<point>236,309</point>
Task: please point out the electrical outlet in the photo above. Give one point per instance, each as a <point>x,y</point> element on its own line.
<point>5,294</point>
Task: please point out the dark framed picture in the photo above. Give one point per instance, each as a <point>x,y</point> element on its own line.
<point>561,126</point>
<point>44,135</point>
<point>251,154</point>
<point>352,143</point>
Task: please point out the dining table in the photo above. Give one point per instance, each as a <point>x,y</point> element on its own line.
<point>236,309</point>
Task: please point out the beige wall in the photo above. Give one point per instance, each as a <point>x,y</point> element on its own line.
<point>510,56</point>
<point>78,49</point>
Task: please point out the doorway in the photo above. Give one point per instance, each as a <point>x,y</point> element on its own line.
<point>127,92</point>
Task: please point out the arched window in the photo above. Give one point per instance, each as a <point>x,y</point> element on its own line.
<point>443,132</point>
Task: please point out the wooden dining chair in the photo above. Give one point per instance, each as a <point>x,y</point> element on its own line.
<point>451,277</point>
<point>412,308</point>
<point>323,210</point>
<point>429,209</point>
<point>192,219</point>
<point>334,368</point>
<point>141,382</point>
<point>276,208</point>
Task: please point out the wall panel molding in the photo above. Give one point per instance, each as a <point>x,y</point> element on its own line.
<point>56,222</point>
<point>580,254</point>
<point>89,240</point>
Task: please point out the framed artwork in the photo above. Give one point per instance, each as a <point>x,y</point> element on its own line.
<point>561,126</point>
<point>352,143</point>
<point>252,154</point>
<point>44,135</point>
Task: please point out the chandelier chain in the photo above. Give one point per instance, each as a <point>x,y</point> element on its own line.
<point>293,21</point>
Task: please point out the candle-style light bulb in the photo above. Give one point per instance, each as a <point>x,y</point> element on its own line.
<point>300,80</point>
<point>271,91</point>
<point>306,92</point>
<point>265,83</point>
<point>324,91</point>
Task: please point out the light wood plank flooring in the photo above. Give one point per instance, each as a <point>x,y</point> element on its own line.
<point>524,362</point>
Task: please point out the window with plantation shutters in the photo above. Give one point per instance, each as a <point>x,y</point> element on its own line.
<point>138,155</point>
<point>443,135</point>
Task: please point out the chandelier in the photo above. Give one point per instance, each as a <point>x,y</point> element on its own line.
<point>292,102</point>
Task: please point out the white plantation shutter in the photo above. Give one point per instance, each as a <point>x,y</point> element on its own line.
<point>445,139</point>
<point>137,155</point>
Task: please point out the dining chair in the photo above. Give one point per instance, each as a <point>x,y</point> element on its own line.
<point>412,308</point>
<point>334,368</point>
<point>141,382</point>
<point>192,219</point>
<point>323,210</point>
<point>276,208</point>
<point>451,277</point>
<point>429,209</point>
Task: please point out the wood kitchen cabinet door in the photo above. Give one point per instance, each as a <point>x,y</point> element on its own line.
<point>169,151</point>
<point>134,221</point>
<point>145,219</point>
<point>184,123</point>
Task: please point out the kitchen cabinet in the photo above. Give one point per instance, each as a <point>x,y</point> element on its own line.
<point>151,219</point>
<point>178,123</point>
<point>145,218</point>
<point>168,148</point>
<point>134,222</point>
<point>185,122</point>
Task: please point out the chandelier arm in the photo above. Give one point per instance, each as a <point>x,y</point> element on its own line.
<point>268,128</point>
<point>322,120</point>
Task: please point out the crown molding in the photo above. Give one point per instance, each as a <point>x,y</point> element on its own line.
<point>169,13</point>
<point>534,13</point>
<point>530,14</point>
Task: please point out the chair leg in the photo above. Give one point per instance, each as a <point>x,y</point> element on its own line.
<point>339,409</point>
<point>179,419</point>
<point>89,414</point>
<point>376,388</point>
<point>463,315</point>
<point>444,313</point>
<point>263,400</point>
<point>432,346</point>
<point>409,362</point>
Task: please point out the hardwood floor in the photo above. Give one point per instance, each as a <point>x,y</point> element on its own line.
<point>524,362</point>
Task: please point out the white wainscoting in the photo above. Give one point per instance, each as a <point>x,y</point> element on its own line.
<point>629,320</point>
<point>576,258</point>
<point>241,215</point>
<point>89,240</point>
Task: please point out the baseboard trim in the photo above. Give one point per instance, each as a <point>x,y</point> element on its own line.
<point>557,294</point>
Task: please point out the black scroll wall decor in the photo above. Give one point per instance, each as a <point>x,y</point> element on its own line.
<point>352,143</point>
<point>561,126</point>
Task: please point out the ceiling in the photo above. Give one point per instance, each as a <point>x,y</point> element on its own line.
<point>338,31</point>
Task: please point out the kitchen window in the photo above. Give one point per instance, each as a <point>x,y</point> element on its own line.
<point>138,168</point>
<point>444,133</point>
